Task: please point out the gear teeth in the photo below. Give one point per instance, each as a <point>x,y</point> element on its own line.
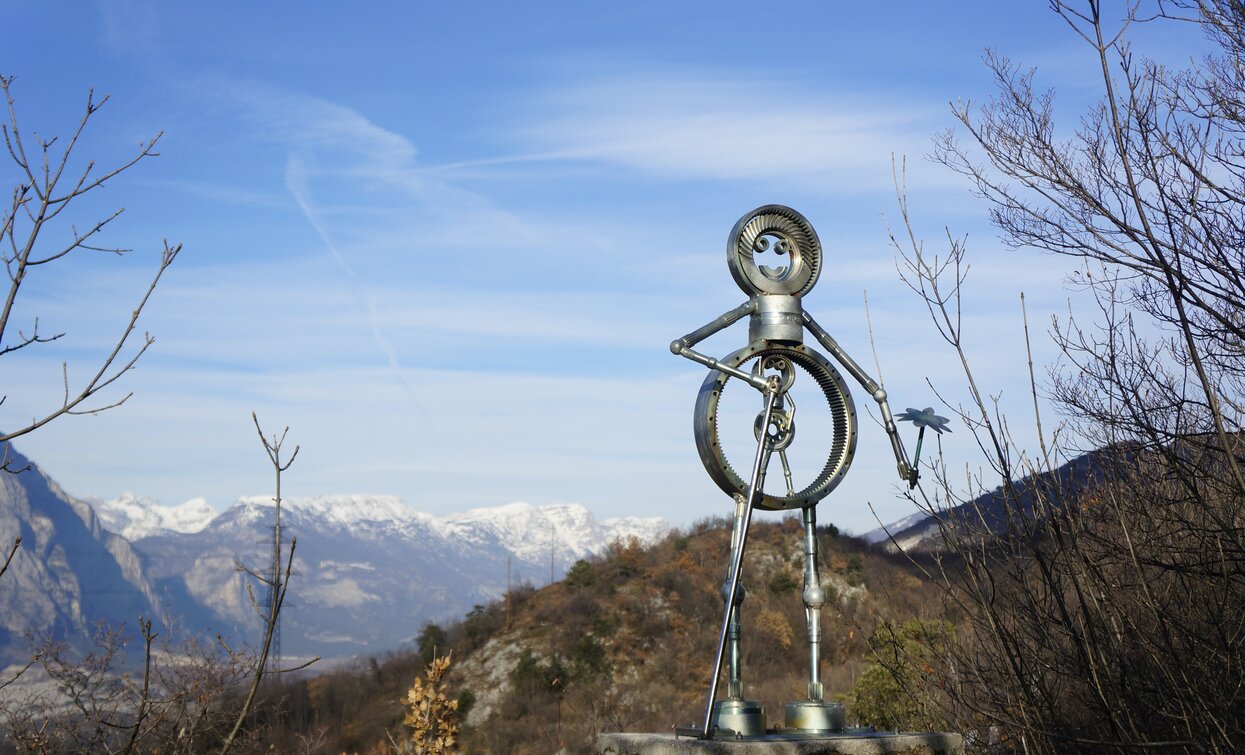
<point>839,403</point>
<point>790,224</point>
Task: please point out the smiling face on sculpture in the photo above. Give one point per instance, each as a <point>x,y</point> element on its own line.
<point>774,255</point>
<point>774,250</point>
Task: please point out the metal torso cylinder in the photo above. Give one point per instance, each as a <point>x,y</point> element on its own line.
<point>777,317</point>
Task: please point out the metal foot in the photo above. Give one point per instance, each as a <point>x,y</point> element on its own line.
<point>744,717</point>
<point>815,717</point>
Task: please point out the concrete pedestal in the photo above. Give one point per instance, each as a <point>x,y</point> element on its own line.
<point>850,743</point>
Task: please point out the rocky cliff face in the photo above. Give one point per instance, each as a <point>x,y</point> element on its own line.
<point>69,572</point>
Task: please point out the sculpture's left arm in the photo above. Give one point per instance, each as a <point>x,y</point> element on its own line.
<point>907,472</point>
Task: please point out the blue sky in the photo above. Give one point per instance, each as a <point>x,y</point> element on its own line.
<point>448,244</point>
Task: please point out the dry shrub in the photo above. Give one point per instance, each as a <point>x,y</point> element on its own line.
<point>433,716</point>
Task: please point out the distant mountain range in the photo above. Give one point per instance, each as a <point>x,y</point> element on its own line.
<point>921,531</point>
<point>369,571</point>
<point>135,517</point>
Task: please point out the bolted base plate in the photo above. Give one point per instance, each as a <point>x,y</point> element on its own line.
<point>744,717</point>
<point>816,717</point>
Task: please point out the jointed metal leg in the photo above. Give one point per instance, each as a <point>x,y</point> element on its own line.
<point>735,687</point>
<point>813,714</point>
<point>814,599</point>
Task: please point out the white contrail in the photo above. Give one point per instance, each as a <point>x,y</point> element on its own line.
<point>296,183</point>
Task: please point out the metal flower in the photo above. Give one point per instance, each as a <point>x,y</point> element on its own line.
<point>924,418</point>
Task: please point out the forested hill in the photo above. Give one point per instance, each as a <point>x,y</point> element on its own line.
<point>1006,507</point>
<point>624,643</point>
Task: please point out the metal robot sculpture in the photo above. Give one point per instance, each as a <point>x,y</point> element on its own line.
<point>777,355</point>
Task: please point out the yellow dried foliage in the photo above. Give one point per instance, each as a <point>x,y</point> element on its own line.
<point>774,628</point>
<point>433,716</point>
<point>908,581</point>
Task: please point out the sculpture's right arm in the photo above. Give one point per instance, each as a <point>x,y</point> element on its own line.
<point>683,346</point>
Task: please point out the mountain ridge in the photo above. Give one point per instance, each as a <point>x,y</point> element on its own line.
<point>69,571</point>
<point>995,510</point>
<point>356,553</point>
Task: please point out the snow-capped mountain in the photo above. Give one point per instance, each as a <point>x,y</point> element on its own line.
<point>902,530</point>
<point>134,517</point>
<point>532,533</point>
<point>370,570</point>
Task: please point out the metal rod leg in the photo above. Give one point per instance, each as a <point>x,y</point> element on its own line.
<point>814,599</point>
<point>762,456</point>
<point>735,687</point>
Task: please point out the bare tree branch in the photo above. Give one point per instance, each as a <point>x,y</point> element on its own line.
<point>278,582</point>
<point>35,203</point>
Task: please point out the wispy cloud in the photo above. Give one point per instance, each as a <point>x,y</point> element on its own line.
<point>296,182</point>
<point>300,121</point>
<point>221,193</point>
<point>131,27</point>
<point>687,124</point>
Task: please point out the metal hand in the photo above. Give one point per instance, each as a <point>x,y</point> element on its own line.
<point>923,418</point>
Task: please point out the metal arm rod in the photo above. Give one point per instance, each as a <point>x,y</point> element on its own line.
<point>836,351</point>
<point>713,326</point>
<point>737,562</point>
<point>713,364</point>
<point>906,472</point>
<point>683,346</point>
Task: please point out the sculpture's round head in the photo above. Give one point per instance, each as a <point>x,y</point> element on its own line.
<point>774,250</point>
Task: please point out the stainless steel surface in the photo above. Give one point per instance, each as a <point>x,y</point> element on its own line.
<point>744,717</point>
<point>819,717</point>
<point>778,235</point>
<point>683,346</point>
<point>734,670</point>
<point>841,416</point>
<point>776,318</point>
<point>737,562</point>
<point>714,364</point>
<point>782,742</point>
<point>814,598</point>
<point>775,257</point>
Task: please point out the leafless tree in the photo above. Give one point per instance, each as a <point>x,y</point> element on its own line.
<point>179,700</point>
<point>1104,614</point>
<point>187,696</point>
<point>17,543</point>
<point>32,237</point>
<point>184,700</point>
<point>276,581</point>
<point>49,181</point>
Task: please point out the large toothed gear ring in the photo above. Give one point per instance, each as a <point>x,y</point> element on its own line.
<point>842,419</point>
<point>774,231</point>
